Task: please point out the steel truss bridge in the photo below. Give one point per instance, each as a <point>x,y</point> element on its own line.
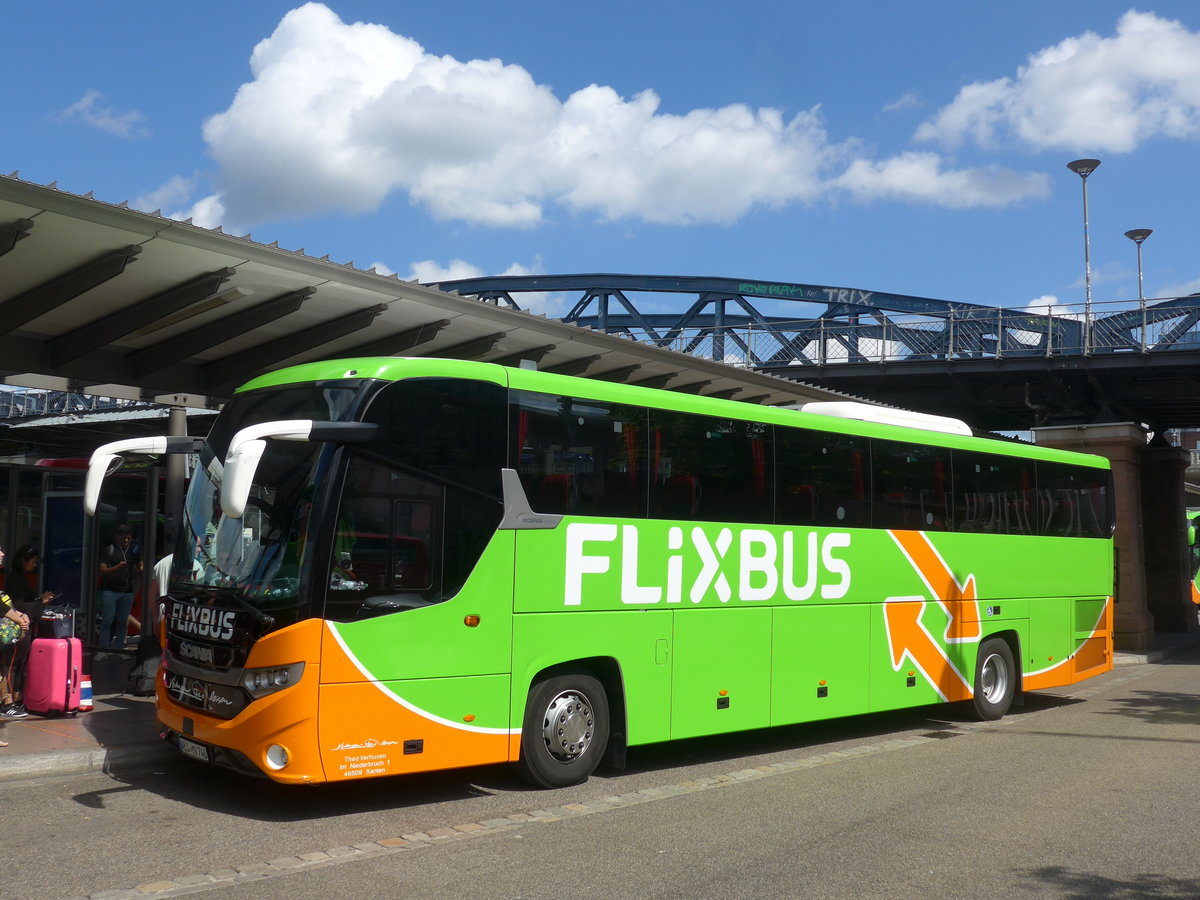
<point>34,403</point>
<point>996,367</point>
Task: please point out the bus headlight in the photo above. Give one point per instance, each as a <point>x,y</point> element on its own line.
<point>260,682</point>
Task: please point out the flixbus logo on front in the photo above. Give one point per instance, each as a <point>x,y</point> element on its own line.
<point>764,565</point>
<point>203,621</point>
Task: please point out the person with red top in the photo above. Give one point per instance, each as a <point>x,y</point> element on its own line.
<point>24,598</point>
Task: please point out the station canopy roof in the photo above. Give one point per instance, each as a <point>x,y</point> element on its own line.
<point>101,299</point>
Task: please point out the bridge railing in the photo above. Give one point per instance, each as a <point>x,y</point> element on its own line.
<point>873,336</point>
<point>19,403</point>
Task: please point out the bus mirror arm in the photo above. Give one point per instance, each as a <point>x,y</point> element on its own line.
<point>240,467</point>
<point>248,445</point>
<point>107,458</point>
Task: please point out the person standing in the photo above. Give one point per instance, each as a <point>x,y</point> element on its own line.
<point>25,599</point>
<point>8,708</point>
<point>120,566</point>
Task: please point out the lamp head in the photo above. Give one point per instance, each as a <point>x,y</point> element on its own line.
<point>1083,167</point>
<point>1137,235</point>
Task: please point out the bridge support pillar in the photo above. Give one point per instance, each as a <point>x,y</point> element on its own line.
<point>1168,577</point>
<point>1124,445</point>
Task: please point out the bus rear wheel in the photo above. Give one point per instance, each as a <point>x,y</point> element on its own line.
<point>995,679</point>
<point>565,730</point>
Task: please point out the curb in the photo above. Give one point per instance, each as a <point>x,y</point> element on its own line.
<point>1180,644</point>
<point>84,762</point>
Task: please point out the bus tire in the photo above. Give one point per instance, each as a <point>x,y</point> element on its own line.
<point>995,679</point>
<point>565,730</point>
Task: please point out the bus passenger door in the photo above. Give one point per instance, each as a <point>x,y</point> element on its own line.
<point>418,638</point>
<point>721,679</point>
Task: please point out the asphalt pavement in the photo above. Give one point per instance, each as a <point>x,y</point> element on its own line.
<point>120,732</point>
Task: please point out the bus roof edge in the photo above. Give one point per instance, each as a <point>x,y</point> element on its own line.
<point>884,415</point>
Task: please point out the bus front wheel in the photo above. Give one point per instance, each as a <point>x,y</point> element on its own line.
<point>565,730</point>
<point>995,679</point>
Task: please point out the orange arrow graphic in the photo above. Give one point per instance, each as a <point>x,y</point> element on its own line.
<point>957,599</point>
<point>908,637</point>
<point>1195,594</point>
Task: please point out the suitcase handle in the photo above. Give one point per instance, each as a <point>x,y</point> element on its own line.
<point>73,669</point>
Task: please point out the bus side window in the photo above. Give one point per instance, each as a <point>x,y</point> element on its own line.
<point>911,486</point>
<point>824,478</point>
<point>578,456</point>
<point>710,469</point>
<point>422,499</point>
<point>994,494</point>
<point>1076,500</point>
<point>383,546</point>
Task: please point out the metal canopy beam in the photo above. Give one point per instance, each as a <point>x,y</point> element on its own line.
<point>13,232</point>
<point>472,349</point>
<point>574,366</point>
<point>239,366</point>
<point>656,381</point>
<point>37,301</point>
<point>395,344</point>
<point>96,334</point>
<point>618,376</point>
<point>726,394</point>
<point>533,354</point>
<point>182,346</point>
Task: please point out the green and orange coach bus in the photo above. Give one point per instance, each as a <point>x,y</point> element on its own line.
<point>395,565</point>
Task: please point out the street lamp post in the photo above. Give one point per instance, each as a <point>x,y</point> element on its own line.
<point>1137,235</point>
<point>1083,168</point>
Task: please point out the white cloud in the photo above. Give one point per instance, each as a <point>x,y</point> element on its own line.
<point>1088,93</point>
<point>429,271</point>
<point>173,191</point>
<point>207,213</point>
<point>907,100</point>
<point>1044,303</point>
<point>90,110</point>
<point>340,116</point>
<point>1180,289</point>
<point>919,177</point>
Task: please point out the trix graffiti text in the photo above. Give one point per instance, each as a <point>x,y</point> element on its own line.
<point>747,564</point>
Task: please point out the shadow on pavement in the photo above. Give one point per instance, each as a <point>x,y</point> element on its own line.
<point>1058,881</point>
<point>1158,708</point>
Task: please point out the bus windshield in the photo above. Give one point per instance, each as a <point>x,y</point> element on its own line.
<point>260,558</point>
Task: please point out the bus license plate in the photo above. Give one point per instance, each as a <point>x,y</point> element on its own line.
<point>192,749</point>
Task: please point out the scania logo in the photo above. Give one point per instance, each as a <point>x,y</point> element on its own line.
<point>195,652</point>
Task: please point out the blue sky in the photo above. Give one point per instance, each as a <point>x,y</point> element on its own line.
<point>904,147</point>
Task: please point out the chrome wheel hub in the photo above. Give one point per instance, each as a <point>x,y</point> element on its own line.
<point>993,678</point>
<point>568,726</point>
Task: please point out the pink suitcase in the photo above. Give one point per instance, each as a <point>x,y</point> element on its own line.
<point>54,676</point>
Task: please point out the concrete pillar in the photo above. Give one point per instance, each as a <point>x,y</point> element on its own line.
<point>1168,588</point>
<point>1123,444</point>
<point>176,478</point>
